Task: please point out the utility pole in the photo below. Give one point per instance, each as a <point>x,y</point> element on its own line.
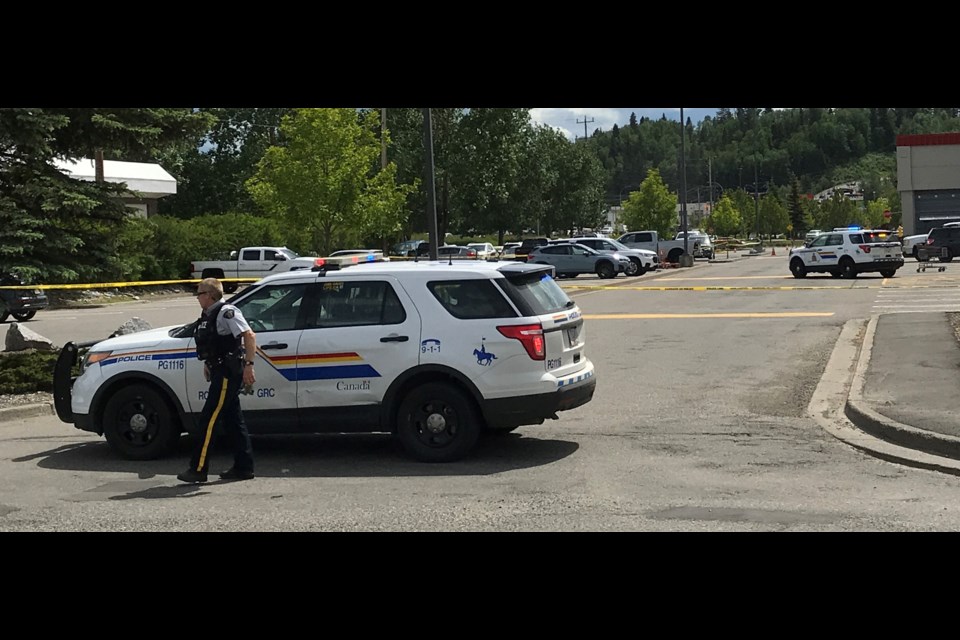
<point>756,198</point>
<point>685,260</point>
<point>710,182</point>
<point>585,121</point>
<point>429,182</point>
<point>383,138</point>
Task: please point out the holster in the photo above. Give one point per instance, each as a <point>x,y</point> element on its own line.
<point>234,365</point>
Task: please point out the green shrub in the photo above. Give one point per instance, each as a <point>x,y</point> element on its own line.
<point>28,371</point>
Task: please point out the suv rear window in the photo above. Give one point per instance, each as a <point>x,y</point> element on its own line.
<point>535,293</point>
<point>471,299</point>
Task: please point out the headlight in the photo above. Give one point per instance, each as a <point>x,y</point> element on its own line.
<point>94,357</point>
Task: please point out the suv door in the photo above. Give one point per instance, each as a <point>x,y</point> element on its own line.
<point>276,313</point>
<point>362,334</point>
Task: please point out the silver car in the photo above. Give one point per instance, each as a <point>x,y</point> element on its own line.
<point>570,259</point>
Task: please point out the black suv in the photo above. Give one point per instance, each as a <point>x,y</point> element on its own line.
<point>941,238</point>
<point>23,304</point>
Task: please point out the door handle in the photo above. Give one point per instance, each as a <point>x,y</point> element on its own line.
<point>394,339</point>
<point>274,345</point>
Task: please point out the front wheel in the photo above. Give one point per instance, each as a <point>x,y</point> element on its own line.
<point>23,316</point>
<point>797,268</point>
<point>139,424</point>
<point>436,422</point>
<point>634,268</point>
<point>605,270</point>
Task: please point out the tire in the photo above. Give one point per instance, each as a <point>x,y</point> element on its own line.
<point>948,257</point>
<point>633,269</point>
<point>674,256</point>
<point>605,270</point>
<point>23,316</point>
<point>436,422</point>
<point>229,287</point>
<point>916,254</point>
<point>797,268</point>
<point>4,312</point>
<point>848,269</point>
<point>139,424</point>
<point>888,273</point>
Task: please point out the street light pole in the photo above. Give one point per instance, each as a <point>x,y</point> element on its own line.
<point>756,199</point>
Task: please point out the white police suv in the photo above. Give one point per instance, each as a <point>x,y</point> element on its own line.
<point>848,251</point>
<point>434,352</point>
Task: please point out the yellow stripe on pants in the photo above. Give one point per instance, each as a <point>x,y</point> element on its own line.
<point>210,424</point>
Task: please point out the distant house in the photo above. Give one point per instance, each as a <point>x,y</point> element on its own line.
<point>147,182</point>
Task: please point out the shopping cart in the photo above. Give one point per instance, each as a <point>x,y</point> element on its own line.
<point>926,255</point>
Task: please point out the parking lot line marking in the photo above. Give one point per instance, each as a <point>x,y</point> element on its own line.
<point>664,316</point>
<point>677,278</point>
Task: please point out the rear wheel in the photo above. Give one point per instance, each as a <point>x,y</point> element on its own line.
<point>797,268</point>
<point>848,269</point>
<point>888,273</point>
<point>947,257</point>
<point>436,422</point>
<point>24,315</point>
<point>139,424</point>
<point>674,256</point>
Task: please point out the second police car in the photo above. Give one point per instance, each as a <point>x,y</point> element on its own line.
<point>848,251</point>
<point>433,352</point>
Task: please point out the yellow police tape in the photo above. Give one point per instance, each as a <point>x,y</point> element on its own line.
<point>110,285</point>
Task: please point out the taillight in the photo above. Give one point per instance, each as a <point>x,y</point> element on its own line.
<point>929,240</point>
<point>865,248</point>
<point>530,336</point>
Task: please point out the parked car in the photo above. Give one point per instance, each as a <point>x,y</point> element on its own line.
<point>456,251</point>
<point>404,248</point>
<point>642,260</point>
<point>570,259</point>
<point>943,242</point>
<point>813,233</point>
<point>485,250</point>
<point>435,354</point>
<point>702,245</point>
<point>22,304</point>
<point>911,244</point>
<point>509,252</point>
<point>530,243</point>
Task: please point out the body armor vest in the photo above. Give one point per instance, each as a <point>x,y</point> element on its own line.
<point>211,346</point>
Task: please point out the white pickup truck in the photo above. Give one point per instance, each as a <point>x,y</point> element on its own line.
<point>251,263</point>
<point>668,250</point>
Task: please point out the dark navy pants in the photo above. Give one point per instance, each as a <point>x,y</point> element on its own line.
<point>223,408</point>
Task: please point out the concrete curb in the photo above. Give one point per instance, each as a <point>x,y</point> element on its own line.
<point>831,397</point>
<point>10,414</point>
<point>859,412</point>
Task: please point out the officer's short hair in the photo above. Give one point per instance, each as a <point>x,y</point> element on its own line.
<point>214,287</point>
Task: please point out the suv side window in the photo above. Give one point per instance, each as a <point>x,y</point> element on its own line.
<point>835,240</point>
<point>820,240</point>
<point>471,299</point>
<point>856,238</point>
<point>274,307</point>
<point>357,303</point>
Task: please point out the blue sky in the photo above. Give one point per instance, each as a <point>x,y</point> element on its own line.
<point>566,120</point>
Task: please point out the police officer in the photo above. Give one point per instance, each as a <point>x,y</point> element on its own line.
<point>227,346</point>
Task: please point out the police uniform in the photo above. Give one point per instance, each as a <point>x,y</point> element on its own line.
<point>220,346</point>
